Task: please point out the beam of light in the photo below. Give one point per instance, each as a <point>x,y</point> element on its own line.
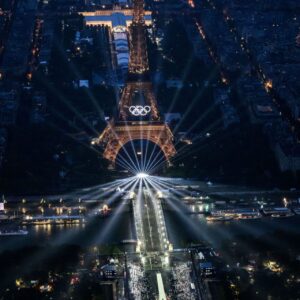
<point>163,180</point>
<point>146,151</point>
<point>66,237</point>
<point>183,78</point>
<point>150,159</point>
<point>186,150</point>
<point>142,175</point>
<point>125,164</point>
<point>87,192</point>
<point>116,187</point>
<point>198,227</point>
<point>114,219</point>
<point>144,157</point>
<point>65,101</point>
<point>141,149</point>
<point>155,164</point>
<point>179,209</point>
<point>138,166</point>
<point>166,184</point>
<point>194,101</point>
<point>131,141</point>
<point>217,232</point>
<point>128,164</point>
<point>62,117</point>
<point>182,153</point>
<point>134,166</point>
<point>130,167</point>
<point>74,69</point>
<point>156,147</point>
<point>176,96</point>
<point>200,119</point>
<point>104,35</point>
<point>86,145</point>
<point>112,188</point>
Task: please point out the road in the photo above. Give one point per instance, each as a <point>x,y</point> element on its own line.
<point>150,226</point>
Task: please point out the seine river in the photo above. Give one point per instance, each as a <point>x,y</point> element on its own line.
<point>182,229</point>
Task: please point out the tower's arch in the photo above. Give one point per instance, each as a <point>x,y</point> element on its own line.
<point>140,155</point>
<point>115,137</point>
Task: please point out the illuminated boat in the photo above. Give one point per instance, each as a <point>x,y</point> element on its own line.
<point>13,232</point>
<point>218,218</point>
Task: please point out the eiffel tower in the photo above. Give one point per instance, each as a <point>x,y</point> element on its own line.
<point>138,116</point>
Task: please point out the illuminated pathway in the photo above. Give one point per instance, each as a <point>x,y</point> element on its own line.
<point>160,263</point>
<point>150,224</point>
<point>150,227</point>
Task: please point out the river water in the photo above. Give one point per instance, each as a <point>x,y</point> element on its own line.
<point>182,229</point>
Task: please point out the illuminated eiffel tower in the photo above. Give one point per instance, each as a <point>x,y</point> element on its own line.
<point>138,117</point>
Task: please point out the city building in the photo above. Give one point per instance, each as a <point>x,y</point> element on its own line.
<point>9,101</point>
<point>117,19</point>
<point>15,57</point>
<point>3,143</point>
<point>112,18</point>
<point>288,156</point>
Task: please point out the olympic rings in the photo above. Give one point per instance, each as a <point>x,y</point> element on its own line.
<point>139,110</point>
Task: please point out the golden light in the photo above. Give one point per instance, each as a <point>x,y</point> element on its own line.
<point>29,76</point>
<point>191,3</point>
<point>268,85</point>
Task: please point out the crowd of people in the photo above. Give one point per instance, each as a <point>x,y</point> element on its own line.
<point>183,287</point>
<point>138,284</point>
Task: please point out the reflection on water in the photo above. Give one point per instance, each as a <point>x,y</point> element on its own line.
<point>88,234</point>
<point>182,232</point>
<point>179,227</point>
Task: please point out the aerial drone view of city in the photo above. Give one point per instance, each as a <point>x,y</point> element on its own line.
<point>149,149</point>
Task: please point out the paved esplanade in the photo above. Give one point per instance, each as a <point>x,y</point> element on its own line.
<point>153,244</point>
<point>151,230</point>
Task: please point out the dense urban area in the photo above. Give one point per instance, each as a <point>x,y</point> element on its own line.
<point>205,207</point>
